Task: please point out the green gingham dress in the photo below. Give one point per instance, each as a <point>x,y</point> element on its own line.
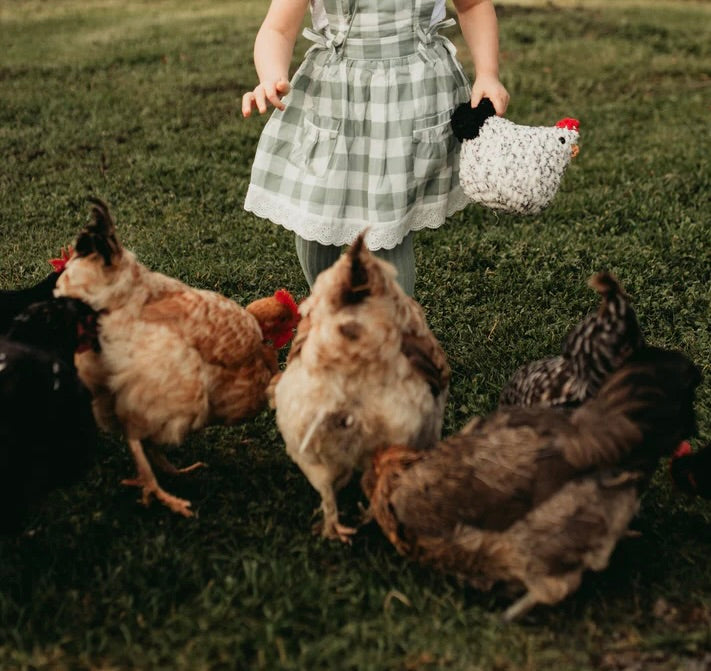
<point>365,137</point>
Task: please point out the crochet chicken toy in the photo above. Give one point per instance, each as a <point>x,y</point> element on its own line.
<point>509,167</point>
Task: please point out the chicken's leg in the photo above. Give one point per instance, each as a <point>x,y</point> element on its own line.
<point>148,483</point>
<point>520,607</point>
<point>322,480</point>
<point>159,460</point>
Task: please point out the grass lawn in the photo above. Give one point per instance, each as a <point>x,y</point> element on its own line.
<point>137,102</point>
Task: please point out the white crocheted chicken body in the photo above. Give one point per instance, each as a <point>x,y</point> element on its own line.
<point>510,167</point>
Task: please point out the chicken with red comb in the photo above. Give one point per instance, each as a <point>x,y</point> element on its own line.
<point>172,358</point>
<point>14,301</point>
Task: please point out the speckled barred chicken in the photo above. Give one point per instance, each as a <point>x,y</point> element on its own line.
<point>532,497</point>
<point>594,349</point>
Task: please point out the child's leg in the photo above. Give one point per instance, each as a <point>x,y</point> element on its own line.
<point>315,257</point>
<point>403,258</point>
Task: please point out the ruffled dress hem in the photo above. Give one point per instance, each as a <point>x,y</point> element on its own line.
<point>381,235</point>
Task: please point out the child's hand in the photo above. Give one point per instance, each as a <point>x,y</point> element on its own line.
<point>266,92</point>
<point>490,87</point>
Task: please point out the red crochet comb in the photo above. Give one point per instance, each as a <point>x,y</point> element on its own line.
<point>569,124</point>
<point>58,264</point>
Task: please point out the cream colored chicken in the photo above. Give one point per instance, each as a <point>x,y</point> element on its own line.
<point>172,358</point>
<point>364,371</point>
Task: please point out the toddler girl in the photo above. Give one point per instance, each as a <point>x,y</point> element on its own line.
<point>361,136</point>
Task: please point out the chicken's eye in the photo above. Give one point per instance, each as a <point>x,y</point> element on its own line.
<point>561,140</point>
<point>346,422</point>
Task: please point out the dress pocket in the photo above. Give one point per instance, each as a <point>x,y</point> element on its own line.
<point>314,147</point>
<point>432,142</point>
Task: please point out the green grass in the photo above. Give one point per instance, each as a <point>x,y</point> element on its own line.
<point>137,102</point>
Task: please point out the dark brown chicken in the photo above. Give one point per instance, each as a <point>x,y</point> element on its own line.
<point>596,347</point>
<point>533,497</point>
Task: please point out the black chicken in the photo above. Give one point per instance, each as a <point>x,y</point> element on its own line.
<point>14,301</point>
<point>47,429</point>
<point>594,349</point>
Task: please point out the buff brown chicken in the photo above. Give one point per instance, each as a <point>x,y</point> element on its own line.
<point>532,497</point>
<point>364,371</point>
<point>172,358</point>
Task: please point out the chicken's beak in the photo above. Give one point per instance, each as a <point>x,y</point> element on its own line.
<point>575,150</point>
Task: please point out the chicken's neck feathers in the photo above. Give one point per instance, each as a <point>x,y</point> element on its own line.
<point>130,285</point>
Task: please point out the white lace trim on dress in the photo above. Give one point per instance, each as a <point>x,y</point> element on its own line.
<point>322,229</point>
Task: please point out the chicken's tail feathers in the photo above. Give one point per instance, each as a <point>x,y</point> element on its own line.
<point>358,286</point>
<point>99,235</point>
<point>606,284</point>
<point>644,409</point>
<point>616,311</point>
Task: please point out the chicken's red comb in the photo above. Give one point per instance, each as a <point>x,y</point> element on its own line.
<point>683,450</point>
<point>285,298</point>
<point>286,330</point>
<point>58,264</point>
<point>569,124</point>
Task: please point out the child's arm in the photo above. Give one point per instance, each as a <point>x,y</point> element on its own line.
<point>273,49</point>
<point>477,19</point>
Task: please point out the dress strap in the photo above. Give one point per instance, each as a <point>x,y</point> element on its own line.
<point>325,38</point>
<point>429,36</point>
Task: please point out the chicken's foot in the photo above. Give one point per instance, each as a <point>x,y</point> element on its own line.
<point>159,460</point>
<point>366,515</point>
<point>146,480</point>
<point>335,530</point>
<point>322,479</point>
<point>520,607</point>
